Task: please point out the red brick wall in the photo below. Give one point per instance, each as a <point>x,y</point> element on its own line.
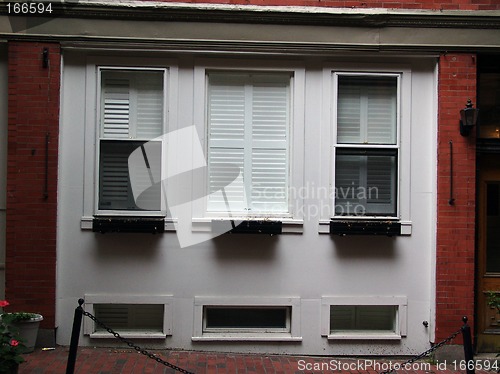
<point>398,4</point>
<point>456,223</point>
<point>31,217</point>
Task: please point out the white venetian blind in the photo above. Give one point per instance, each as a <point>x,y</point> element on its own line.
<point>248,121</point>
<point>367,110</point>
<point>131,104</point>
<point>362,318</point>
<point>131,317</point>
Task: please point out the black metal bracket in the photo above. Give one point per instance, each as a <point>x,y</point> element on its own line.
<point>150,225</point>
<point>45,58</point>
<point>365,227</point>
<point>247,227</point>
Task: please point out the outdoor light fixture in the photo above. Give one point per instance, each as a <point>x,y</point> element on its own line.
<point>468,118</point>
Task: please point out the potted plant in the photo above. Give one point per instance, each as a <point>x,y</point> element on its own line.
<point>25,326</point>
<point>11,348</point>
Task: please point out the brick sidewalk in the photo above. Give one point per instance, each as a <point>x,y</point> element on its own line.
<point>113,361</point>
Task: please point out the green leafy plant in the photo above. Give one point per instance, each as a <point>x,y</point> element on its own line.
<point>11,348</point>
<point>493,300</point>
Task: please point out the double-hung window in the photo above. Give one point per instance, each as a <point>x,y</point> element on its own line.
<point>248,128</point>
<point>131,117</point>
<point>367,145</point>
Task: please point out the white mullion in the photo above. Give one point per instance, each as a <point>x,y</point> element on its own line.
<point>248,144</point>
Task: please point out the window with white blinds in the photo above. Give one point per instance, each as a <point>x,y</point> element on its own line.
<point>374,318</point>
<point>131,114</point>
<point>131,317</point>
<point>249,127</point>
<point>367,149</point>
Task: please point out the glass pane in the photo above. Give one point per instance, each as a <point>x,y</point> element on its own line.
<point>365,182</point>
<point>131,317</point>
<point>246,317</point>
<point>363,317</point>
<point>489,99</point>
<point>115,187</point>
<point>493,228</point>
<point>367,109</point>
<point>131,104</point>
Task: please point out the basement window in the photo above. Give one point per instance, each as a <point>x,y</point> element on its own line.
<point>130,317</point>
<point>246,319</point>
<point>354,318</point>
<point>139,317</point>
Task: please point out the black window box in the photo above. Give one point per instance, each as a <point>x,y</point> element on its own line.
<point>355,227</point>
<point>247,227</point>
<point>150,225</point>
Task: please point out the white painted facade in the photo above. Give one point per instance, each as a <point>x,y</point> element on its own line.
<point>304,268</point>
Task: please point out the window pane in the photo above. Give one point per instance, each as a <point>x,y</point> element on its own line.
<point>363,317</point>
<point>131,317</point>
<point>246,317</point>
<point>367,109</point>
<point>365,182</point>
<point>131,104</point>
<point>115,188</point>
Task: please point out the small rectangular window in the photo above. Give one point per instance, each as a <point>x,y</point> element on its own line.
<point>363,318</point>
<point>246,319</point>
<point>130,317</point>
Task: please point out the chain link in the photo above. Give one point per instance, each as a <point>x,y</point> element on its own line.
<point>134,346</point>
<point>426,353</point>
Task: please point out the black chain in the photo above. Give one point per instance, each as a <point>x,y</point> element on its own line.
<point>424,354</point>
<point>134,346</point>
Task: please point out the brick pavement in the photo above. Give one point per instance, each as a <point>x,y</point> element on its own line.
<point>114,361</point>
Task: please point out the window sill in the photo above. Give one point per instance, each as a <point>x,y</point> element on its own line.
<point>247,338</point>
<point>363,335</point>
<point>129,335</point>
<point>380,227</point>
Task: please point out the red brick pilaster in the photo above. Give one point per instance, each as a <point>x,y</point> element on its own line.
<point>31,204</point>
<point>456,223</point>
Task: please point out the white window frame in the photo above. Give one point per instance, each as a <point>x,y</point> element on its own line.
<point>400,302</point>
<point>89,327</point>
<point>293,220</point>
<point>329,140</point>
<point>293,319</point>
<point>93,126</point>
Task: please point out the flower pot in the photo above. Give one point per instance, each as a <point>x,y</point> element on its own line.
<point>28,331</point>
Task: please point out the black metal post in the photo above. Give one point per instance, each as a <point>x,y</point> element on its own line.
<point>75,336</point>
<point>468,352</point>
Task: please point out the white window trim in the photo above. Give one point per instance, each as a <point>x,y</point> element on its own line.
<point>401,302</point>
<point>165,300</point>
<point>329,140</point>
<point>293,302</point>
<point>202,219</point>
<point>92,126</point>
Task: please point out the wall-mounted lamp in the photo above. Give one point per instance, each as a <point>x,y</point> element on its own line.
<point>468,118</point>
